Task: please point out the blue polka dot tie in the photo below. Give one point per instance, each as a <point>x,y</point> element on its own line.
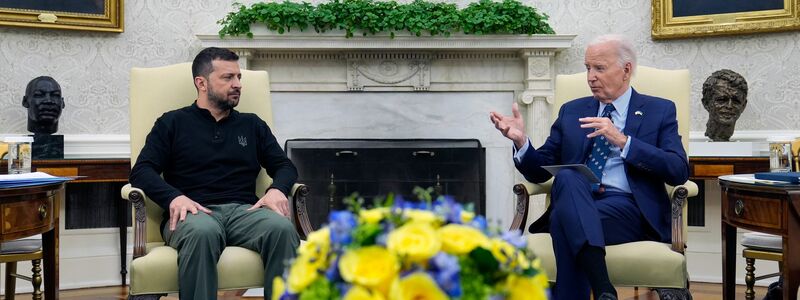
<point>600,150</point>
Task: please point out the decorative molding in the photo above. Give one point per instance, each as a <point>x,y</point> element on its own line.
<point>304,41</point>
<point>339,55</point>
<point>388,73</point>
<point>79,146</point>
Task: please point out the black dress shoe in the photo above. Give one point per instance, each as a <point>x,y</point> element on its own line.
<point>607,296</point>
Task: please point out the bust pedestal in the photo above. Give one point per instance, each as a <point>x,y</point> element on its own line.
<point>48,146</point>
<point>723,149</point>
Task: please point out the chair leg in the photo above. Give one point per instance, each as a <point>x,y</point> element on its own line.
<point>36,279</point>
<point>673,294</point>
<point>750,278</point>
<point>11,281</point>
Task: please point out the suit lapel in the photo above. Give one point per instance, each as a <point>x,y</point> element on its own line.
<point>635,114</point>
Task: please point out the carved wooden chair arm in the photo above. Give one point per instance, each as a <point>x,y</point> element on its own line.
<point>136,197</point>
<point>678,196</point>
<point>523,192</point>
<point>299,211</point>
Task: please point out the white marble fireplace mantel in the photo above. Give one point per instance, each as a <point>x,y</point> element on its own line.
<point>307,61</point>
<point>328,86</point>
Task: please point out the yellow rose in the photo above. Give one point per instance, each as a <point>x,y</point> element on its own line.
<point>524,288</point>
<point>416,215</point>
<point>301,274</point>
<point>418,285</point>
<point>541,279</point>
<point>416,241</point>
<point>371,266</point>
<point>522,261</point>
<point>373,216</point>
<point>358,292</point>
<point>467,216</point>
<point>536,263</point>
<point>502,251</point>
<point>316,247</point>
<point>461,239</point>
<point>278,287</point>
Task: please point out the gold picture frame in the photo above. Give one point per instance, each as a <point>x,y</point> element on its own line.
<point>93,15</point>
<point>666,25</point>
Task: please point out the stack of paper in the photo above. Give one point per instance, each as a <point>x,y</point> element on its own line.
<point>29,179</point>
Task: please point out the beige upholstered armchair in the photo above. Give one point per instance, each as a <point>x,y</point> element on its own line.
<point>154,269</point>
<point>638,264</point>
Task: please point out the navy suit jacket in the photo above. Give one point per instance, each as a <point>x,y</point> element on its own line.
<point>655,157</point>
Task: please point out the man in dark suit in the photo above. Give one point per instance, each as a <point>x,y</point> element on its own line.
<point>630,141</point>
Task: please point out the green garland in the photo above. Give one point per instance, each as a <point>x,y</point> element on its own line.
<point>370,17</point>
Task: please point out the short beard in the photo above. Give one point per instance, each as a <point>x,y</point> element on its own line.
<point>219,101</point>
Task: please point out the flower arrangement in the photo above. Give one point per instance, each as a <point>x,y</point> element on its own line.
<point>411,250</point>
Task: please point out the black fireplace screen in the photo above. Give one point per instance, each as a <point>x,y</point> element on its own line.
<point>335,168</point>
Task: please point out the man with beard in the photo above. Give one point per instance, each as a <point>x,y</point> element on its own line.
<point>44,103</point>
<point>724,97</point>
<point>210,155</point>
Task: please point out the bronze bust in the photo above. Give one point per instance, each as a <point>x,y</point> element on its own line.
<point>724,97</point>
<point>44,103</point>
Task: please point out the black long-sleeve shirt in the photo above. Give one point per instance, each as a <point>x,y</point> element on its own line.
<point>209,161</point>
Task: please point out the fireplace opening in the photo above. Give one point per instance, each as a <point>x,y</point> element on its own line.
<point>335,168</point>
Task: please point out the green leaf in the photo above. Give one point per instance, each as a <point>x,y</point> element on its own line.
<point>366,234</point>
<point>371,17</point>
<point>484,260</point>
<point>321,288</point>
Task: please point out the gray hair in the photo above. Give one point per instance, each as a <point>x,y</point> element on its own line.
<point>625,52</point>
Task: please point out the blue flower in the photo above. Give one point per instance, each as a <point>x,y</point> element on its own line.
<point>479,222</point>
<point>449,208</point>
<point>332,273</point>
<point>341,223</point>
<point>514,237</point>
<point>401,203</point>
<point>445,270</point>
<point>344,287</point>
<point>288,296</point>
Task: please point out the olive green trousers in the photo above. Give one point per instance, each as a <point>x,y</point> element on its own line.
<point>201,238</point>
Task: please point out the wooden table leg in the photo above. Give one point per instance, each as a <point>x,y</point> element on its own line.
<point>50,247</point>
<point>122,222</point>
<point>728,261</point>
<point>791,262</point>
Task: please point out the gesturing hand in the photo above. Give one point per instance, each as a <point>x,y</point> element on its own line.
<point>274,200</point>
<point>512,127</point>
<point>604,126</point>
<point>178,208</point>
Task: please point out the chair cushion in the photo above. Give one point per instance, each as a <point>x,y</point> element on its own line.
<point>644,264</point>
<point>157,271</point>
<point>763,241</point>
<point>21,246</point>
